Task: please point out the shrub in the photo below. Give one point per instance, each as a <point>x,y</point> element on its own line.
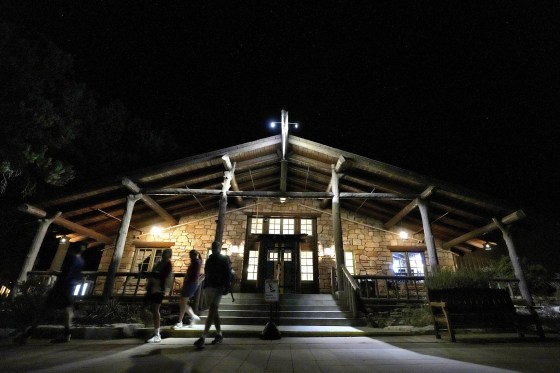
<point>110,313</point>
<point>461,278</point>
<point>417,316</point>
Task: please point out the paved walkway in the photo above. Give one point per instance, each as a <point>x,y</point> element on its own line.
<point>472,353</point>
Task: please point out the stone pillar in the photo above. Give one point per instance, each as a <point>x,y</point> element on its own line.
<point>428,236</point>
<point>119,245</point>
<point>337,229</point>
<point>33,251</point>
<point>523,288</point>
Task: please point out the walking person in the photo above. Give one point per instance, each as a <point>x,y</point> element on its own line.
<point>217,282</point>
<point>189,289</point>
<point>160,281</point>
<point>61,295</point>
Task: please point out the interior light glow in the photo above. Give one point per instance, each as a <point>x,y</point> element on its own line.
<point>156,230</point>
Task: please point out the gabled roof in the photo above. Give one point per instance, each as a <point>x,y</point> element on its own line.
<point>454,210</point>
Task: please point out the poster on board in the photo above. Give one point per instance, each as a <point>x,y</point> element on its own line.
<point>271,290</point>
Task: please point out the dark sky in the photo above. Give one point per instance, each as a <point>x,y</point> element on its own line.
<point>466,93</point>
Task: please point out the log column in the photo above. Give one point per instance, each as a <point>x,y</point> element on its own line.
<point>61,252</point>
<point>34,250</point>
<point>119,245</point>
<point>523,288</point>
<point>228,176</point>
<point>337,228</point>
<point>428,236</point>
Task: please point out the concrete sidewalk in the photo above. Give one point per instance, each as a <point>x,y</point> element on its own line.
<point>423,353</point>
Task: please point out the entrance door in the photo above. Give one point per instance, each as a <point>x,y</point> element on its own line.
<point>280,263</point>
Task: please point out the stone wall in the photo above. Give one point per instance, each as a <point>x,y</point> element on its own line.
<point>364,236</point>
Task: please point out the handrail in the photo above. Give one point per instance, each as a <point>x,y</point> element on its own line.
<point>350,291</point>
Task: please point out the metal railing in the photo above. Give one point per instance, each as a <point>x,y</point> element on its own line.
<point>391,287</point>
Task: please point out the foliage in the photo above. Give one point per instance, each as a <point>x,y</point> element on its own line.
<point>55,130</point>
<point>23,310</point>
<point>537,277</point>
<point>110,313</point>
<point>40,105</point>
<point>461,278</point>
<point>56,134</point>
<point>416,316</point>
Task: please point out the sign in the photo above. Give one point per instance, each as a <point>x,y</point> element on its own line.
<point>271,290</point>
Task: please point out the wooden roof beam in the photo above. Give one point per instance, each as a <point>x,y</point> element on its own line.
<point>149,201</point>
<point>408,208</point>
<point>511,218</point>
<point>37,212</point>
<point>229,167</point>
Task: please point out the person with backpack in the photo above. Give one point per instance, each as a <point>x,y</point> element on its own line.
<point>217,283</point>
<point>160,281</point>
<point>61,296</point>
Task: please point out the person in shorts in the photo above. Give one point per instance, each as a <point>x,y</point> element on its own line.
<point>190,285</point>
<point>61,296</point>
<point>217,282</point>
<point>158,284</point>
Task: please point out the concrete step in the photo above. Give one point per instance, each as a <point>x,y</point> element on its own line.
<point>234,320</point>
<point>294,309</point>
<point>283,314</point>
<point>283,307</point>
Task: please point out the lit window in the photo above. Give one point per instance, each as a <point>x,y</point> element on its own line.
<point>275,226</point>
<point>287,256</point>
<point>306,266</point>
<point>83,289</point>
<point>288,226</point>
<point>145,259</point>
<point>257,225</point>
<point>281,226</point>
<point>306,226</point>
<point>253,265</point>
<point>349,261</point>
<point>272,255</point>
<point>408,263</point>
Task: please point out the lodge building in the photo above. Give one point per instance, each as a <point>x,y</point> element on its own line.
<point>283,207</point>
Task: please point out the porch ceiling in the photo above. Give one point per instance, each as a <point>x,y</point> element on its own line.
<point>454,210</point>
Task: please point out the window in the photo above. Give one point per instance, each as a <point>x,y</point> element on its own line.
<point>272,255</point>
<point>275,226</point>
<point>253,265</point>
<point>408,263</point>
<point>288,226</point>
<point>349,261</point>
<point>288,256</point>
<point>306,226</point>
<point>306,266</point>
<point>145,259</point>
<point>257,225</point>
<point>281,226</point>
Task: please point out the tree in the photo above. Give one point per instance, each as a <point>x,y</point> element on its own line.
<point>40,106</point>
<point>55,134</point>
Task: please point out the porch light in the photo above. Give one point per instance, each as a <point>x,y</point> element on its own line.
<point>282,199</point>
<point>63,240</point>
<point>328,251</point>
<point>403,235</point>
<point>156,230</point>
<point>487,246</point>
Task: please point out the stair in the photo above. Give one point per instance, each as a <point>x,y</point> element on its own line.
<point>294,309</point>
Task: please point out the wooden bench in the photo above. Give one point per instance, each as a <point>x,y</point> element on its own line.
<point>486,309</point>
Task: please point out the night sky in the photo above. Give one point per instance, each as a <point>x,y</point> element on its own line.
<point>465,93</point>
